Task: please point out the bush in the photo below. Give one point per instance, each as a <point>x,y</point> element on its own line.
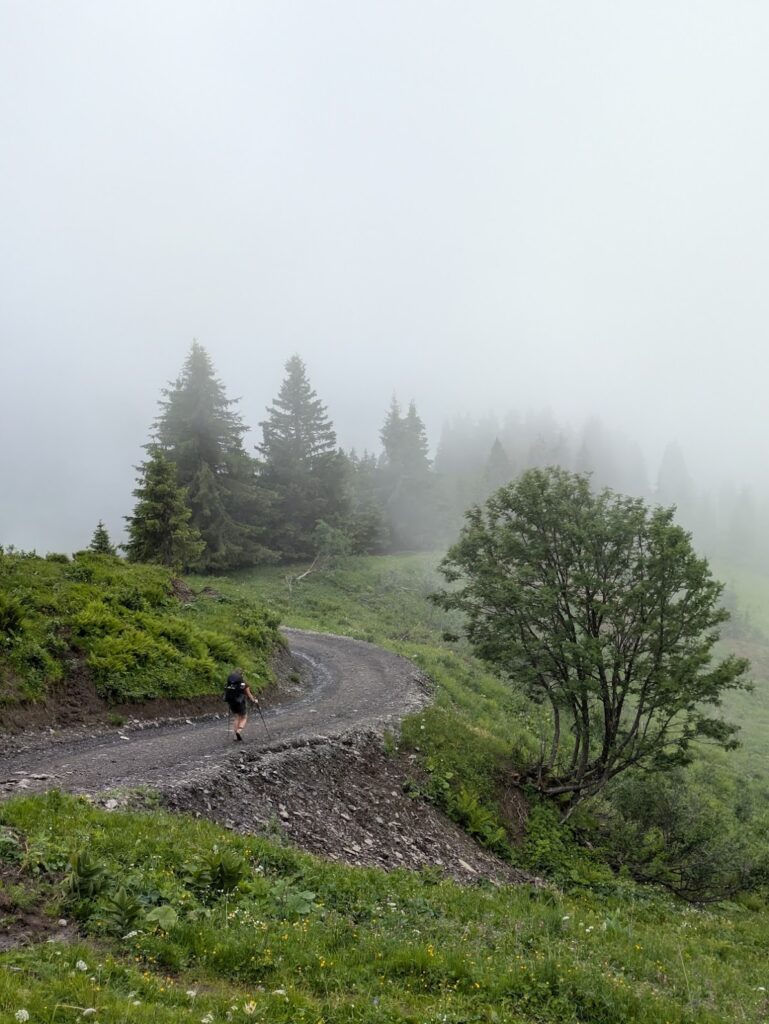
<point>11,618</point>
<point>123,621</point>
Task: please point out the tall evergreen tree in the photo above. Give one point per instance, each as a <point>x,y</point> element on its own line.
<point>498,470</point>
<point>300,465</point>
<point>160,529</point>
<point>100,542</point>
<point>366,525</point>
<point>200,432</point>
<point>409,494</point>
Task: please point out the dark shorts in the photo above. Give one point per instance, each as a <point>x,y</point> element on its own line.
<point>238,707</point>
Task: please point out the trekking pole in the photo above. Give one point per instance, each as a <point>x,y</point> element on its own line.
<point>259,709</point>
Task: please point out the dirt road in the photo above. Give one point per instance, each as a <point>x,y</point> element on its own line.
<point>348,685</point>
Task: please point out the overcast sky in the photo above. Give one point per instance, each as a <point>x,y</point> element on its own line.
<point>476,205</point>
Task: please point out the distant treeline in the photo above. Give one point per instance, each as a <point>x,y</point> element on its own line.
<point>206,503</point>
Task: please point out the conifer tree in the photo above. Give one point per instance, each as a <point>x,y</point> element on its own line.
<point>100,542</point>
<point>160,529</point>
<point>366,524</point>
<point>498,470</point>
<point>202,435</point>
<point>300,465</point>
<point>409,495</point>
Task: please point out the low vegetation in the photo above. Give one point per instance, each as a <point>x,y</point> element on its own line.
<point>124,627</point>
<point>181,920</point>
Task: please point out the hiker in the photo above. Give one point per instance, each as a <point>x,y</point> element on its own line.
<point>236,693</point>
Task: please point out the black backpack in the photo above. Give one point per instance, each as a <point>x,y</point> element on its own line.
<point>233,691</point>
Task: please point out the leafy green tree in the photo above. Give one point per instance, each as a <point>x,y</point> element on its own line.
<point>160,529</point>
<point>301,465</point>
<point>600,609</point>
<point>202,435</point>
<point>100,542</point>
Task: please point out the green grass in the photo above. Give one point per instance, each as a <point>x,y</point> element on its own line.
<point>123,626</point>
<point>297,939</point>
<point>304,940</point>
<point>747,635</point>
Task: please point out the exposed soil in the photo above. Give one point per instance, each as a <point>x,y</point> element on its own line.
<point>344,799</point>
<point>78,711</point>
<point>21,926</point>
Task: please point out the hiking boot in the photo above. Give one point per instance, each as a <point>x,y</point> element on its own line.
<point>238,737</point>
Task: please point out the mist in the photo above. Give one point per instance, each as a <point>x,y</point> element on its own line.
<point>484,208</point>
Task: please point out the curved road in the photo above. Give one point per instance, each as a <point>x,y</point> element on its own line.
<point>352,686</point>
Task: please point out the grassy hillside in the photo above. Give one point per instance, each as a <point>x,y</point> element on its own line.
<point>700,831</point>
<point>130,631</point>
<point>747,595</point>
<point>180,920</point>
<point>194,923</point>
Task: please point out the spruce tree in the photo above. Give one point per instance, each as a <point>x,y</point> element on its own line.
<point>409,494</point>
<point>366,524</point>
<point>202,435</point>
<point>160,529</point>
<point>301,466</point>
<point>100,542</point>
<point>498,470</point>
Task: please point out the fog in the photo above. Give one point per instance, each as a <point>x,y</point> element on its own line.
<point>481,207</point>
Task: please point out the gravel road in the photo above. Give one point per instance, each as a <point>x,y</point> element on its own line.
<point>349,686</point>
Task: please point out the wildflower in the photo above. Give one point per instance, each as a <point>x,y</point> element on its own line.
<point>278,991</point>
<point>191,992</point>
<point>22,1015</point>
<point>208,1019</point>
<point>249,1007</point>
<point>81,965</point>
<point>131,934</point>
<point>89,1012</point>
<point>565,917</point>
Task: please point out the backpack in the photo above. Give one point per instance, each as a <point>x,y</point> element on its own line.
<point>233,691</point>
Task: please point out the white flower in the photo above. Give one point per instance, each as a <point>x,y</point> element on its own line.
<point>249,1008</point>
<point>208,1019</point>
<point>131,935</point>
<point>761,988</point>
<point>90,1011</point>
<point>565,918</point>
<point>22,1015</point>
<point>191,992</point>
<point>136,1002</point>
<point>278,991</point>
<point>81,965</point>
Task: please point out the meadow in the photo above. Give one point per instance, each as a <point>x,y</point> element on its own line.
<point>181,920</point>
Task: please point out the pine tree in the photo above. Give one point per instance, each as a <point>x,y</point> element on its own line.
<point>100,542</point>
<point>160,529</point>
<point>202,435</point>
<point>300,465</point>
<point>409,495</point>
<point>497,471</point>
<point>365,524</point>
